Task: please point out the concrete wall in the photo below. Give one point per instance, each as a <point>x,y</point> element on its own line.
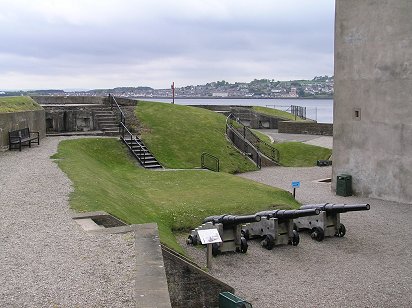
<point>189,286</point>
<point>246,114</point>
<point>312,128</point>
<point>62,100</point>
<point>70,119</point>
<point>372,101</point>
<point>34,120</point>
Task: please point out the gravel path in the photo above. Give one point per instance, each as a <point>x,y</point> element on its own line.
<point>369,267</point>
<point>46,259</point>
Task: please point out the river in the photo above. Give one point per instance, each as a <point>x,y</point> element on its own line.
<point>320,110</point>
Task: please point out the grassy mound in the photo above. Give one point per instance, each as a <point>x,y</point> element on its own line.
<point>178,135</point>
<point>18,103</point>
<point>106,178</point>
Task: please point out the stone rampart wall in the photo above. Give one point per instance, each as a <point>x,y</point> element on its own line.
<point>311,128</point>
<point>34,120</point>
<point>63,100</point>
<point>189,286</point>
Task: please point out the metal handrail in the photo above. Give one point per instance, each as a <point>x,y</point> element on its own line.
<point>258,143</point>
<point>230,127</point>
<point>133,140</point>
<point>203,165</point>
<point>122,117</point>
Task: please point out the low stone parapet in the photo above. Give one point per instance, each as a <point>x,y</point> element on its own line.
<point>310,128</point>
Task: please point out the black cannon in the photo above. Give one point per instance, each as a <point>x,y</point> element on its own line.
<point>328,222</point>
<point>230,220</point>
<point>229,228</point>
<point>276,227</point>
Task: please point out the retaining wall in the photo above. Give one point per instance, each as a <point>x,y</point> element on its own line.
<point>34,120</point>
<point>189,286</point>
<point>246,115</point>
<point>64,100</point>
<point>311,128</point>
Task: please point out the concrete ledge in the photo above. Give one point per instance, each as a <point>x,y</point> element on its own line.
<point>151,283</point>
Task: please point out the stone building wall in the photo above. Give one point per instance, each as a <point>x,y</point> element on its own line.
<point>372,100</point>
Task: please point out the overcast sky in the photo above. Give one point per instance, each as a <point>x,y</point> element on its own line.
<point>89,44</point>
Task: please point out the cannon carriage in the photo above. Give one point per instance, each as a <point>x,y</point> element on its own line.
<point>327,224</point>
<point>229,228</point>
<point>276,227</point>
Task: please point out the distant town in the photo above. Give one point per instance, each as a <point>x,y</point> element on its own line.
<point>318,87</point>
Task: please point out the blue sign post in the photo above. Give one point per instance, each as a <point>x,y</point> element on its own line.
<point>295,184</point>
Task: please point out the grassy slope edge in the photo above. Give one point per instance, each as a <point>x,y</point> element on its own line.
<point>106,178</point>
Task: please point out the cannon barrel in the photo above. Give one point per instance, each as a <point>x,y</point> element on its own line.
<point>289,214</point>
<point>231,220</point>
<point>337,208</point>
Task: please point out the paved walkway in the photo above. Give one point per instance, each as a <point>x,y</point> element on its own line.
<point>46,259</point>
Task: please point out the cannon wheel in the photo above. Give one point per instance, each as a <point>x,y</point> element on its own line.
<point>268,242</point>
<point>243,245</point>
<point>245,234</point>
<point>215,249</point>
<point>318,234</point>
<point>191,240</point>
<point>295,238</point>
<point>341,231</point>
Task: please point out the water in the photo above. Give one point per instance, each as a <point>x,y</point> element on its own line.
<point>320,110</point>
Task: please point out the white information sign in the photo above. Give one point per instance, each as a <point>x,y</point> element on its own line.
<point>209,236</point>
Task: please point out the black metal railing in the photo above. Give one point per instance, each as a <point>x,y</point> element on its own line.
<point>116,108</point>
<point>262,146</point>
<point>133,144</point>
<point>240,141</point>
<point>205,158</point>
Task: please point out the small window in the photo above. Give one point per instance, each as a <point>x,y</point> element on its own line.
<point>357,113</point>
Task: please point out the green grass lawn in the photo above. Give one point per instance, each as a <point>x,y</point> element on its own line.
<point>276,113</point>
<point>18,103</point>
<point>297,154</point>
<point>178,135</point>
<point>106,178</point>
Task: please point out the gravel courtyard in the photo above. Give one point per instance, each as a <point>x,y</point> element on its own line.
<point>370,267</point>
<point>46,259</point>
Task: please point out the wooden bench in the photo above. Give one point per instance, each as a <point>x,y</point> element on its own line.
<point>22,137</point>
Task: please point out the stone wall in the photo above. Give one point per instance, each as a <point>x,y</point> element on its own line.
<point>70,119</point>
<point>372,102</point>
<point>189,286</point>
<point>34,120</point>
<point>246,115</point>
<point>311,128</point>
<point>64,100</point>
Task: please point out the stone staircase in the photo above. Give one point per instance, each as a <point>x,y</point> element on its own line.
<point>141,152</point>
<point>106,120</point>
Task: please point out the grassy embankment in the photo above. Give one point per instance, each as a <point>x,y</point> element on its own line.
<point>276,113</point>
<point>297,154</point>
<point>18,103</point>
<point>178,135</point>
<point>106,178</point>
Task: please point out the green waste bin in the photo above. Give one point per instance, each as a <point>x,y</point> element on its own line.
<point>229,300</point>
<point>344,185</point>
